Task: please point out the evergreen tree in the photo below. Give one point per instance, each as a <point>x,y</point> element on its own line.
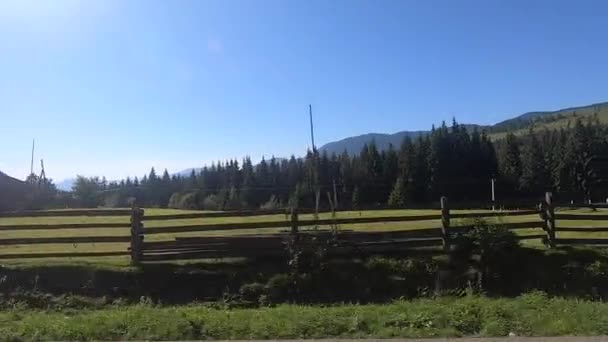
<point>534,179</point>
<point>397,198</point>
<point>511,168</point>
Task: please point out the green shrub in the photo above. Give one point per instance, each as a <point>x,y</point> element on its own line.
<point>252,292</point>
<point>279,288</point>
<point>487,250</point>
<point>466,318</point>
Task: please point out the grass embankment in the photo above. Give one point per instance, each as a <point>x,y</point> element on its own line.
<point>531,315</point>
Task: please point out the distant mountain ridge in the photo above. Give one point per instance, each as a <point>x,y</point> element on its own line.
<point>556,118</point>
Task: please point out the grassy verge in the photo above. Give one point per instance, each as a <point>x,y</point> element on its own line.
<point>533,314</point>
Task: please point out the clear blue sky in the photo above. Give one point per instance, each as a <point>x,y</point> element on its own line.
<point>115,87</point>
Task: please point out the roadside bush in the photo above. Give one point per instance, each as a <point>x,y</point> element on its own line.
<point>400,277</point>
<point>488,250</point>
<point>252,291</point>
<point>280,288</point>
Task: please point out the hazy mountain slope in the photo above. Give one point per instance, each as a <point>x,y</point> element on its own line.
<point>355,144</point>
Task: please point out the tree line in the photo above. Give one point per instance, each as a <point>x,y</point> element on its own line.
<point>450,161</point>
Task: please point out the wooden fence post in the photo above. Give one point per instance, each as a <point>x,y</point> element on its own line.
<point>445,223</point>
<point>550,219</point>
<point>294,221</point>
<point>137,234</point>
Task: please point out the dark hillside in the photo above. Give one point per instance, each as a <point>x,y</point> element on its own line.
<point>13,192</point>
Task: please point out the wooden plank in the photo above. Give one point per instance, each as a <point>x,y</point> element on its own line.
<point>211,254</point>
<point>285,224</point>
<point>494,214</point>
<point>66,240</point>
<point>278,238</point>
<point>214,227</point>
<point>63,226</point>
<point>583,229</point>
<point>342,251</point>
<point>424,232</point>
<point>520,225</point>
<point>530,237</point>
<point>581,217</point>
<point>585,206</point>
<point>278,244</point>
<point>214,214</point>
<point>217,247</point>
<point>393,234</point>
<point>66,213</point>
<point>581,241</point>
<point>408,242</point>
<point>225,245</point>
<point>62,255</point>
<point>510,226</point>
<point>239,213</point>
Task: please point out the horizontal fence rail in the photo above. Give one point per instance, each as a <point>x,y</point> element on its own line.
<point>581,241</point>
<point>64,240</point>
<point>581,217</point>
<point>67,213</point>
<point>64,226</point>
<point>582,229</point>
<point>63,255</point>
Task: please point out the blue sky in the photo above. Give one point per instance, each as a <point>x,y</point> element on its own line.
<point>115,87</point>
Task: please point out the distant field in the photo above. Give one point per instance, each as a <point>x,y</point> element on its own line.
<point>119,261</point>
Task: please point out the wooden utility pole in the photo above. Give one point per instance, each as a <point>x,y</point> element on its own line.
<point>312,132</point>
<point>32,161</point>
<point>315,162</point>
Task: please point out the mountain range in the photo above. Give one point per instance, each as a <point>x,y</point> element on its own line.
<point>518,125</point>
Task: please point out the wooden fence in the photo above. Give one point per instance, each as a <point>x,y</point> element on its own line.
<point>347,242</point>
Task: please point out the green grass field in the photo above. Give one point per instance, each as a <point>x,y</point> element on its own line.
<point>123,261</point>
<point>532,314</point>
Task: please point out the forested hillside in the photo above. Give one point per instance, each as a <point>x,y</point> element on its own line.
<point>518,125</point>
<point>452,161</point>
